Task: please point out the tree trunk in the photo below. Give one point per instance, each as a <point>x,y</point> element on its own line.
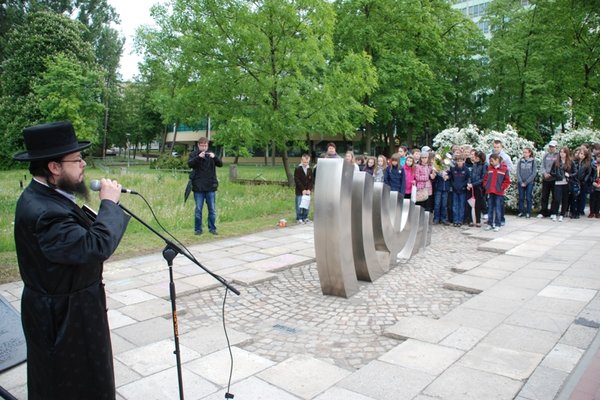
<point>286,167</point>
<point>272,153</point>
<point>368,137</point>
<point>390,138</point>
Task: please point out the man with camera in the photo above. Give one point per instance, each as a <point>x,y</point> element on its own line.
<point>204,184</point>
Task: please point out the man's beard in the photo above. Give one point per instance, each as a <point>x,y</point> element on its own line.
<point>79,189</point>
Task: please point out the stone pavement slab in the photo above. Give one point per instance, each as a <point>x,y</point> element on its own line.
<point>522,339</point>
<point>421,328</point>
<point>155,357</point>
<point>579,336</point>
<point>512,364</point>
<point>422,356</point>
<point>568,293</point>
<point>463,383</point>
<point>474,318</point>
<point>206,340</point>
<point>464,338</point>
<point>255,389</point>
<point>493,304</point>
<point>544,383</point>
<point>337,393</point>
<point>469,283</point>
<point>164,385</point>
<point>465,266</point>
<point>303,376</point>
<point>544,320</point>
<point>250,277</point>
<point>563,358</point>
<point>381,380</point>
<point>216,366</point>
<point>146,332</point>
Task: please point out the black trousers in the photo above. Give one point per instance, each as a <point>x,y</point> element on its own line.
<point>547,188</point>
<point>560,197</point>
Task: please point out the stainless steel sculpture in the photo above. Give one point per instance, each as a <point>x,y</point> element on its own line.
<point>361,228</point>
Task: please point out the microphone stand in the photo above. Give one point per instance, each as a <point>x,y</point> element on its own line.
<point>169,253</point>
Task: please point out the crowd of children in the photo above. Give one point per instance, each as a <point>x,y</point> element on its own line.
<point>468,188</point>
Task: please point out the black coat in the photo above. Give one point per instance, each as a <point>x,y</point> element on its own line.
<point>63,308</point>
<point>303,181</point>
<point>204,176</point>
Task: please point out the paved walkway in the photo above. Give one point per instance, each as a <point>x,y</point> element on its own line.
<point>477,315</point>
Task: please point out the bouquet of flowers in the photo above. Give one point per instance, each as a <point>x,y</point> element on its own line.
<point>443,159</point>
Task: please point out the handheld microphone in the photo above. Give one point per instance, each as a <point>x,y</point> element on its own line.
<point>96,185</point>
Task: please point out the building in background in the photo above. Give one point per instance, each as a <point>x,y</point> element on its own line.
<point>475,9</point>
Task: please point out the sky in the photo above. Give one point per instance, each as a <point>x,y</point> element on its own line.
<point>133,13</point>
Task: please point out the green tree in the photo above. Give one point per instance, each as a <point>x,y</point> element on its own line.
<point>267,62</point>
<point>424,56</point>
<point>29,46</point>
<point>67,91</point>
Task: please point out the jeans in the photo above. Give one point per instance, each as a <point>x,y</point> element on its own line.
<point>301,213</point>
<point>581,199</point>
<point>440,208</point>
<point>458,207</point>
<point>525,198</point>
<point>495,203</point>
<point>211,204</point>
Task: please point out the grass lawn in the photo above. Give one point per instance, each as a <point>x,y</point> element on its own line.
<point>241,209</point>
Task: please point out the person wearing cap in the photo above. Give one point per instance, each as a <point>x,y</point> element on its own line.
<point>60,252</point>
<point>548,180</point>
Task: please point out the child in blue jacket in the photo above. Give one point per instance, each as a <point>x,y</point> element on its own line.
<point>394,175</point>
<point>459,178</point>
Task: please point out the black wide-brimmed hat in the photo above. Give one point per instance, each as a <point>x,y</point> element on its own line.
<point>48,141</point>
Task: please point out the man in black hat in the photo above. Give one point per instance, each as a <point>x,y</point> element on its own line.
<point>61,251</point>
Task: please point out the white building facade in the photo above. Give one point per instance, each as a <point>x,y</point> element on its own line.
<point>475,9</point>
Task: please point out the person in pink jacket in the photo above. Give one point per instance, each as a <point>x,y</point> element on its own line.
<point>409,175</point>
<point>424,173</point>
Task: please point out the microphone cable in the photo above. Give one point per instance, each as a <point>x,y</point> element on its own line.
<point>228,395</point>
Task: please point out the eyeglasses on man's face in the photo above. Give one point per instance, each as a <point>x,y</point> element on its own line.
<point>79,160</point>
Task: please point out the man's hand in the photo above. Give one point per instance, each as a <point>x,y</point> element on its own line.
<point>110,190</point>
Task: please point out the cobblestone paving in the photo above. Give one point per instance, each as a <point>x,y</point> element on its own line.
<point>290,316</point>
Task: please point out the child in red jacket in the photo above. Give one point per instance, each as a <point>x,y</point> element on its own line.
<point>495,182</point>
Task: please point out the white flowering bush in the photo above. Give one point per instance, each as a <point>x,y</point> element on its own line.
<point>484,141</point>
<point>576,137</point>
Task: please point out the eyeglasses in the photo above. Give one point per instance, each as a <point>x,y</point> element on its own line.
<point>78,160</point>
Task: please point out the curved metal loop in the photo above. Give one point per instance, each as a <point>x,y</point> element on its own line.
<point>361,228</point>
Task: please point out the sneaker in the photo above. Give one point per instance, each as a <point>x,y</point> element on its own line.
<point>591,215</point>
<point>198,233</point>
<point>527,216</point>
<point>299,221</point>
<point>540,215</point>
<point>520,215</point>
<point>471,224</point>
<point>306,221</point>
<point>214,233</point>
<point>553,217</point>
<point>597,215</point>
<point>489,228</point>
<point>485,216</point>
<point>560,218</point>
<point>496,228</point>
<point>477,225</point>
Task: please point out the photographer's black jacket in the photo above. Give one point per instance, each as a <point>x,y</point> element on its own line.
<point>204,176</point>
